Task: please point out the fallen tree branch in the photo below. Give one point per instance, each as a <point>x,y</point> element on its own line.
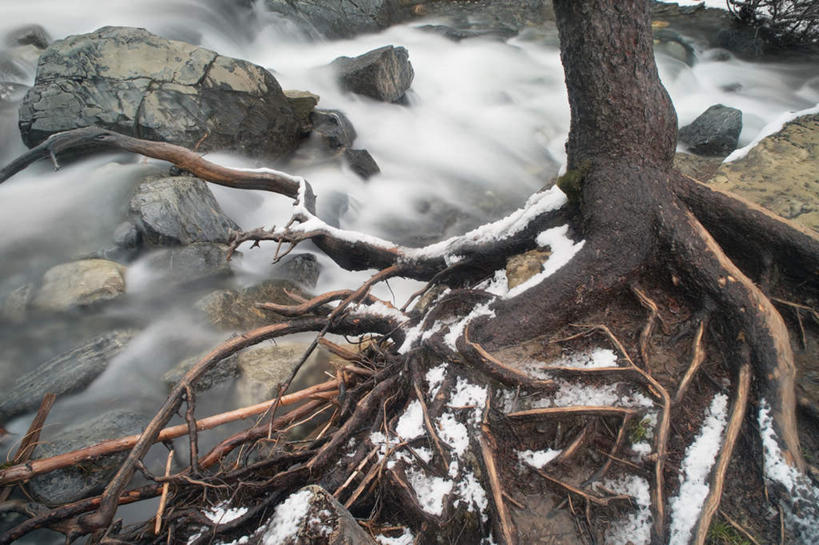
<point>24,472</point>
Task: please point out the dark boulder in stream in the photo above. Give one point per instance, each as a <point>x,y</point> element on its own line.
<point>134,82</point>
<point>77,482</point>
<point>714,132</point>
<point>384,74</point>
<point>179,210</point>
<point>64,374</point>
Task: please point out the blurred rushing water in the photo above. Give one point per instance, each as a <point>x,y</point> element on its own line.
<point>484,128</point>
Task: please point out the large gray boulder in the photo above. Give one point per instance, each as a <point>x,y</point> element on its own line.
<point>179,210</point>
<point>714,132</point>
<point>384,74</point>
<point>83,480</point>
<point>64,374</point>
<point>136,83</point>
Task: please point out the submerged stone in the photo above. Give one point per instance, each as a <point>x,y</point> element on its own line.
<point>89,478</point>
<point>67,373</point>
<point>80,283</point>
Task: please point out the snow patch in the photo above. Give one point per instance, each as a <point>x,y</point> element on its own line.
<point>453,433</point>
<point>634,528</point>
<point>473,494</point>
<point>379,309</point>
<point>406,538</point>
<point>430,491</point>
<point>287,518</point>
<point>457,329</point>
<point>411,423</point>
<point>617,394</point>
<point>220,514</point>
<point>538,458</point>
<point>696,467</point>
<point>563,250</point>
<point>435,378</point>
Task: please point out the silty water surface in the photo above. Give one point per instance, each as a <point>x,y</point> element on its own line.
<point>484,128</point>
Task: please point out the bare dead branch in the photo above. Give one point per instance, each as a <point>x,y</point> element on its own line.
<point>697,357</point>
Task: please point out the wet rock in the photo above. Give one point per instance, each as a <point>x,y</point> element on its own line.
<point>384,74</point>
<point>91,477</point>
<point>780,173</point>
<point>458,34</point>
<point>311,516</point>
<point>303,104</point>
<point>361,162</point>
<point>34,35</point>
<point>522,267</point>
<point>136,83</point>
<point>257,371</point>
<point>301,269</point>
<point>674,45</point>
<point>67,373</point>
<point>236,309</point>
<point>714,132</point>
<point>332,206</point>
<point>224,372</point>
<point>15,305</point>
<point>80,283</point>
<point>341,18</point>
<point>333,128</point>
<point>190,264</point>
<point>179,210</point>
<point>495,18</point>
<point>126,235</point>
<point>744,41</point>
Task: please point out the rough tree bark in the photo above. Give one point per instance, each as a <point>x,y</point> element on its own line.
<point>637,216</point>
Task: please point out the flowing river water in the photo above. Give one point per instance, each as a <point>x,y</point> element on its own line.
<point>484,128</point>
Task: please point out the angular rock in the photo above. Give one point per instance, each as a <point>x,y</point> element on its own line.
<point>225,371</point>
<point>131,81</point>
<point>80,283</point>
<point>303,104</point>
<point>362,163</point>
<point>179,210</point>
<point>65,374</point>
<point>311,516</point>
<point>342,18</point>
<point>91,477</point>
<point>522,267</point>
<point>126,235</point>
<point>236,309</point>
<point>384,74</point>
<point>333,128</point>
<point>780,173</point>
<point>190,264</point>
<point>674,45</point>
<point>714,132</point>
<point>301,269</point>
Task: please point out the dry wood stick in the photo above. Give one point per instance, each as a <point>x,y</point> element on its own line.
<point>711,504</point>
<point>574,410</point>
<point>739,527</point>
<point>23,472</point>
<point>697,357</point>
<point>487,444</point>
<point>597,500</point>
<point>495,368</point>
<point>163,499</point>
<point>32,436</point>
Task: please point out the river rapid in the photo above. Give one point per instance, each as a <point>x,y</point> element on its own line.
<point>484,128</point>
